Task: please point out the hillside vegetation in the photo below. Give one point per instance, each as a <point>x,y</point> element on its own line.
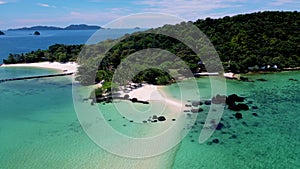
<point>243,41</point>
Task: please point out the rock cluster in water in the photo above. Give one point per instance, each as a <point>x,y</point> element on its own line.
<point>155,119</point>
<point>233,102</point>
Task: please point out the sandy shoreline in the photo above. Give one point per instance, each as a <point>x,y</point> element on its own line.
<point>155,93</point>
<point>69,67</point>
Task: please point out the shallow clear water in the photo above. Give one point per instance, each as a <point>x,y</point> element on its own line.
<point>269,140</point>
<point>39,127</point>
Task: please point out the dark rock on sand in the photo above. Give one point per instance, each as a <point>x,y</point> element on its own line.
<point>134,100</point>
<point>161,118</point>
<point>126,97</point>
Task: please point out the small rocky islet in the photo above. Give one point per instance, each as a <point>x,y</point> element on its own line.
<point>36,33</point>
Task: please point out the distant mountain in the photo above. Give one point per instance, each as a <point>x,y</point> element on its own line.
<point>37,28</point>
<point>70,27</point>
<point>81,27</point>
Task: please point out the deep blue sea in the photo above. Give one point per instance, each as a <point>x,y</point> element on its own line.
<point>23,41</point>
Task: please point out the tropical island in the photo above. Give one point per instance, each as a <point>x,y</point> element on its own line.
<point>261,41</point>
<point>70,27</point>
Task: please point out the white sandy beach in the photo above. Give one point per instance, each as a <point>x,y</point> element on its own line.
<point>153,93</point>
<point>69,67</point>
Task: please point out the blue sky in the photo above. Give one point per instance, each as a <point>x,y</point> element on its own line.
<point>20,13</point>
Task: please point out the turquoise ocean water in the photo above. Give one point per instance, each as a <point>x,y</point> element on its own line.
<point>269,140</point>
<point>39,126</point>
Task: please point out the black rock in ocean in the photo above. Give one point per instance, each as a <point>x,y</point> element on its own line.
<point>242,106</point>
<point>37,33</point>
<point>238,116</point>
<point>219,126</point>
<point>215,141</point>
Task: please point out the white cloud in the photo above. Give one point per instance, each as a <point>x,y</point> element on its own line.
<point>2,2</point>
<point>283,2</point>
<point>90,17</point>
<point>46,5</point>
<point>143,20</point>
<point>191,9</point>
<point>75,13</point>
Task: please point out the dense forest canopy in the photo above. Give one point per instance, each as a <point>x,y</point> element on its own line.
<point>57,52</point>
<point>242,41</point>
<point>263,38</point>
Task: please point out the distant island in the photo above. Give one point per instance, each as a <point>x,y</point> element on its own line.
<point>37,33</point>
<point>2,33</point>
<point>70,27</point>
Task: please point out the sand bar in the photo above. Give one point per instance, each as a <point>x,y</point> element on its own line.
<point>69,67</point>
